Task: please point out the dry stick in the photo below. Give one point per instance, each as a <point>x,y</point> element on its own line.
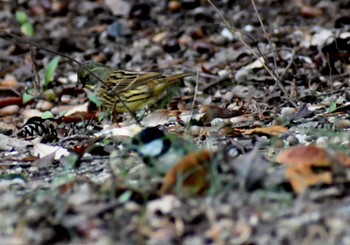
<point>25,41</point>
<point>289,64</point>
<point>235,32</point>
<point>278,82</point>
<point>35,71</point>
<point>330,72</point>
<point>267,38</point>
<point>194,99</point>
<point>224,79</point>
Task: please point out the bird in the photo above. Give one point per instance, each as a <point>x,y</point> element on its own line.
<point>136,89</point>
<point>184,167</point>
<point>159,150</point>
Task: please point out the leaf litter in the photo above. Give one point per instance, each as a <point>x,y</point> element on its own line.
<point>288,105</point>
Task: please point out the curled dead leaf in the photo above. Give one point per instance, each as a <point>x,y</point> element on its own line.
<point>310,11</point>
<point>79,116</point>
<point>212,112</point>
<point>299,156</point>
<point>190,175</point>
<point>302,159</point>
<point>272,130</point>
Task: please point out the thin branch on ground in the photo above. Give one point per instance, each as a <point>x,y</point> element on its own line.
<point>238,36</point>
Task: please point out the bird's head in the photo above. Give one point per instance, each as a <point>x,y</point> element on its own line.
<point>151,142</point>
<point>86,71</point>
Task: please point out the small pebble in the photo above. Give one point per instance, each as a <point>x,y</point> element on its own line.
<point>219,122</point>
<point>154,51</point>
<point>224,73</point>
<point>303,139</point>
<point>342,124</point>
<point>8,81</point>
<point>228,34</point>
<point>287,112</point>
<point>292,140</point>
<point>66,99</point>
<point>140,11</point>
<point>174,6</point>
<point>160,37</point>
<point>203,47</point>
<point>118,29</point>
<point>43,105</point>
<point>171,46</point>
<point>248,28</point>
<point>9,110</point>
<point>218,40</point>
<point>195,130</point>
<point>190,4</point>
<point>50,95</point>
<point>322,141</point>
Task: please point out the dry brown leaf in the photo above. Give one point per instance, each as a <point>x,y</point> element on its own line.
<point>301,159</point>
<point>8,82</point>
<point>79,116</point>
<point>191,174</point>
<point>232,132</point>
<point>156,118</point>
<point>299,156</point>
<point>310,11</point>
<point>300,181</point>
<point>272,130</point>
<point>212,112</point>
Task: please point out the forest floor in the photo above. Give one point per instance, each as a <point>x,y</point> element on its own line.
<point>269,101</point>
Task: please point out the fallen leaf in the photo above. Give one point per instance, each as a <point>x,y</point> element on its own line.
<point>43,150</point>
<point>212,112</point>
<point>310,11</point>
<point>302,159</point>
<point>156,118</point>
<point>301,180</point>
<point>77,108</point>
<point>79,116</point>
<point>11,101</point>
<point>272,130</point>
<point>299,156</point>
<point>189,176</point>
<point>45,162</point>
<point>127,131</point>
<point>118,7</point>
<point>7,143</point>
<point>302,112</point>
<point>9,110</point>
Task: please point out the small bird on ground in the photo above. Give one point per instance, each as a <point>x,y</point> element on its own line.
<point>135,89</point>
<point>159,150</point>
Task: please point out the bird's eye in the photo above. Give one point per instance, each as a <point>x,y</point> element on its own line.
<point>135,141</point>
<point>84,78</point>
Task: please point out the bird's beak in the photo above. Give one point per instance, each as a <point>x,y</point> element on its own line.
<point>90,86</point>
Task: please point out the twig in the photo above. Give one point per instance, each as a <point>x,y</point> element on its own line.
<point>271,73</point>
<point>289,64</point>
<point>267,38</point>
<point>35,71</point>
<point>194,99</point>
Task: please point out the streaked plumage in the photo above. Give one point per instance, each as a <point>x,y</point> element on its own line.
<point>136,89</point>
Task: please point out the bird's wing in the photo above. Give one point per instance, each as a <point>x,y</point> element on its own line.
<point>124,80</point>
